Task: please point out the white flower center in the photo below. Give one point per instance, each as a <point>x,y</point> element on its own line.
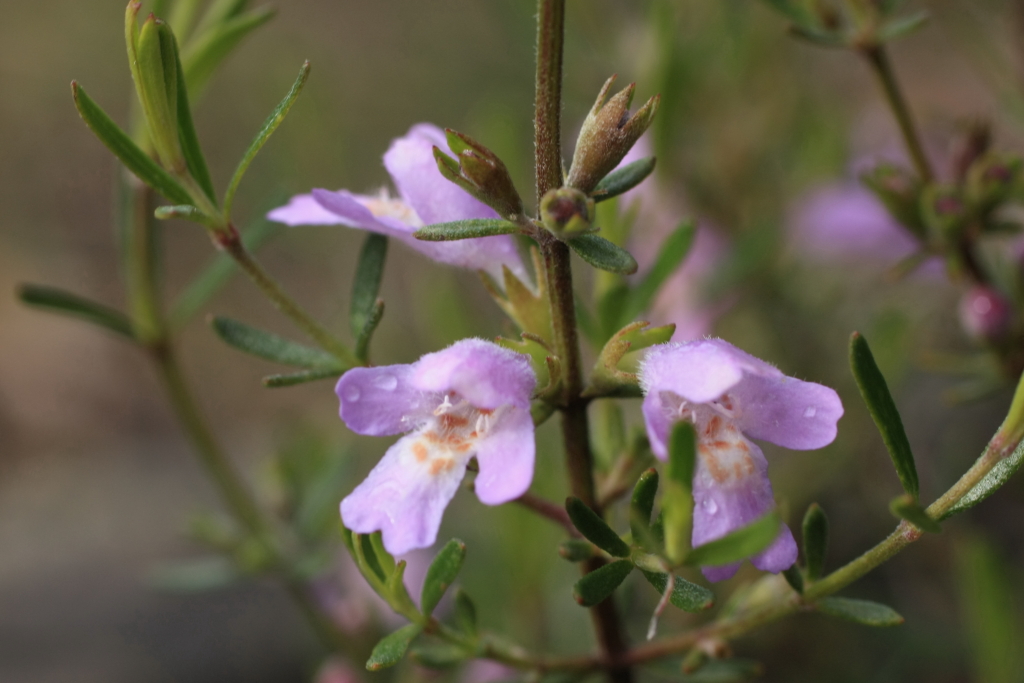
<point>722,449</point>
<point>449,437</point>
<point>383,205</point>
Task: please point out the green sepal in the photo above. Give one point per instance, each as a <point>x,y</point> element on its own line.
<point>529,309</point>
<point>577,550</point>
<point>122,146</point>
<point>600,583</point>
<point>59,301</point>
<point>607,379</point>
<point>537,349</point>
<point>366,284</point>
<point>677,501</point>
<point>158,90</point>
<point>210,47</point>
<point>439,655</point>
<point>996,477</point>
<point>602,254</point>
<point>266,130</point>
<point>623,179</point>
<point>738,545</point>
<point>466,229</point>
<point>906,507</point>
<point>687,596</point>
<point>391,648</point>
<point>270,346</point>
<point>442,572</point>
<point>861,611</point>
<point>641,505</point>
<point>795,578</point>
<point>397,594</point>
<point>875,392</point>
<point>464,613</point>
<point>595,529</point>
<point>815,531</point>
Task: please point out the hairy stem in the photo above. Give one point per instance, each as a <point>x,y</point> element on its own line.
<point>558,271</point>
<point>878,58</point>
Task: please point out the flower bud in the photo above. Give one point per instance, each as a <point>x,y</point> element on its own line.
<point>153,55</point>
<point>900,192</point>
<point>567,212</point>
<point>985,313</point>
<point>990,180</point>
<point>608,133</point>
<point>479,171</point>
<point>944,211</point>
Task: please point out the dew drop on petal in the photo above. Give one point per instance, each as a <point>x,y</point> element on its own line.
<point>710,506</point>
<point>386,382</point>
<point>810,412</point>
<point>352,393</point>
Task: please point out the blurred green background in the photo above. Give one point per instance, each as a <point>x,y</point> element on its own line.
<point>97,483</point>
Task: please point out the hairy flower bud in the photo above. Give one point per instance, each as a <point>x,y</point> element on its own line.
<point>480,172</point>
<point>567,212</point>
<point>944,211</point>
<point>990,180</point>
<point>607,135</point>
<point>985,313</point>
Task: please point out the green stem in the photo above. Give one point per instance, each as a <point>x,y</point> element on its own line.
<point>230,242</point>
<point>878,58</point>
<point>558,272</point>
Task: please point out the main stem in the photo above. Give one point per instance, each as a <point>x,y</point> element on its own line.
<point>558,271</point>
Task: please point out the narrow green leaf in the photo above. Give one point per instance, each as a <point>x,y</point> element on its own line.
<point>687,596</point>
<point>577,550</point>
<point>442,572</point>
<point>59,301</point>
<point>465,613</point>
<point>366,286</point>
<point>600,583</point>
<point>738,545</point>
<point>268,128</point>
<point>270,346</point>
<point>602,254</point>
<point>815,528</point>
<point>677,502</point>
<point>883,410</point>
<point>906,507</point>
<point>795,578</point>
<point>439,655</point>
<point>292,378</point>
<point>118,142</point>
<point>219,271</point>
<point>861,611</point>
<point>363,340</point>
<point>206,51</point>
<point>671,255</point>
<point>390,650</point>
<point>897,28</point>
<point>996,477</point>
<point>594,528</point>
<point>682,454</point>
<point>190,146</point>
<point>159,90</point>
<point>623,179</point>
<point>642,504</point>
<point>467,229</point>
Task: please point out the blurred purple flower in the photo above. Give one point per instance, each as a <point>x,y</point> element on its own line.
<point>680,300</point>
<point>729,396</point>
<point>985,313</point>
<point>471,399</point>
<point>425,197</point>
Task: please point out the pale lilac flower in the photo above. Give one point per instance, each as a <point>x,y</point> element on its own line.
<point>730,397</point>
<point>681,299</point>
<point>424,197</point>
<point>471,399</point>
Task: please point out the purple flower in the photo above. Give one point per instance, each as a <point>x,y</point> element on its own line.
<point>471,399</point>
<point>731,396</point>
<point>424,197</point>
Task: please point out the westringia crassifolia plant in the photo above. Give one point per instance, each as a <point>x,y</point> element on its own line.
<point>466,414</point>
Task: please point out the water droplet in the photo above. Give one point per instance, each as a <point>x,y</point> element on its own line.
<point>710,506</point>
<point>810,412</point>
<point>352,393</point>
<point>386,382</point>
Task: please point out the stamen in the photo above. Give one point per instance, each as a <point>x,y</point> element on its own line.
<point>444,407</point>
<point>483,423</point>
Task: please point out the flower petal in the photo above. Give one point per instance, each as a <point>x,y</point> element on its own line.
<point>380,401</point>
<point>304,209</point>
<point>487,375</point>
<point>506,457</point>
<point>410,161</point>
<point>658,422</point>
<point>780,555</point>
<point>403,497</point>
<point>699,371</point>
<point>787,411</point>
